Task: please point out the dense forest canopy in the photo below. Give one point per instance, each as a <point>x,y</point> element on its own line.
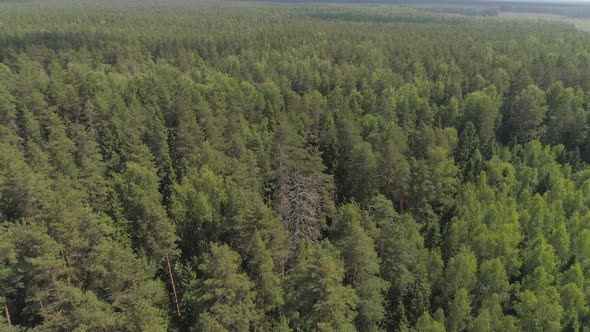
<point>275,167</point>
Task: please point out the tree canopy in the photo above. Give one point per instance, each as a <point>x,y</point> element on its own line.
<point>264,167</point>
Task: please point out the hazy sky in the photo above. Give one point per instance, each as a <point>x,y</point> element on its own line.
<point>549,1</point>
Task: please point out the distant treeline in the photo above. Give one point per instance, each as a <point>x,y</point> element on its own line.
<point>473,8</point>
<point>493,8</point>
<point>570,10</point>
<point>460,9</point>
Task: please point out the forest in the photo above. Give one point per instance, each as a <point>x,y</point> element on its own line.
<point>241,166</point>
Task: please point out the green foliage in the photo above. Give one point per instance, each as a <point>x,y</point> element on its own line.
<point>459,315</point>
<point>317,298</point>
<point>149,227</point>
<point>428,324</point>
<point>527,114</point>
<point>362,267</point>
<point>362,173</point>
<point>539,312</point>
<point>482,110</point>
<point>258,167</point>
<point>224,300</point>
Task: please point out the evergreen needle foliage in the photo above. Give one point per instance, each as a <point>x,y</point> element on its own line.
<point>266,167</point>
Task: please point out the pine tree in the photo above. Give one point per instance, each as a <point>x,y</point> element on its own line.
<point>150,229</point>
<point>225,296</point>
<point>482,111</point>
<point>317,298</point>
<point>459,313</point>
<point>362,267</point>
<point>427,324</point>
